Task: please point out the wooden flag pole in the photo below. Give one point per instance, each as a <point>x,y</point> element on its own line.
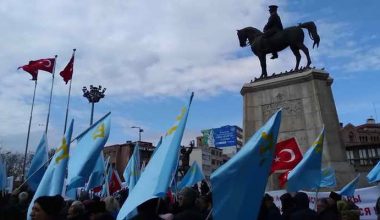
<point>68,99</point>
<point>51,94</point>
<point>27,137</point>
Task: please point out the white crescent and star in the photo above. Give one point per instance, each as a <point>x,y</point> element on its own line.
<point>292,155</point>
<point>48,64</point>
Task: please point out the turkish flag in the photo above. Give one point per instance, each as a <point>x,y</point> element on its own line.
<point>115,183</point>
<point>30,69</point>
<point>42,64</point>
<point>287,155</point>
<point>67,73</point>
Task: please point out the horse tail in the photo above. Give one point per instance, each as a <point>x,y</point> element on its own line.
<point>312,29</point>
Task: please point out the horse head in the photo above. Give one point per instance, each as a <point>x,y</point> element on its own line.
<point>242,37</point>
<point>248,33</point>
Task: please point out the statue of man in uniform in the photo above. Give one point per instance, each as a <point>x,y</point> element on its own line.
<point>273,25</point>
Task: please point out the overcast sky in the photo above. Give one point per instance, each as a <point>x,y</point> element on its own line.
<point>150,55</point>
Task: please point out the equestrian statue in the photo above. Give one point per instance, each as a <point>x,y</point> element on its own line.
<point>275,39</point>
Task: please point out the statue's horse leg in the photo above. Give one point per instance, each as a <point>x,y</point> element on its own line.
<point>296,53</point>
<point>306,52</point>
<point>263,63</point>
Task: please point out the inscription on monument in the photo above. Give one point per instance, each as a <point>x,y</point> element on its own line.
<point>289,107</point>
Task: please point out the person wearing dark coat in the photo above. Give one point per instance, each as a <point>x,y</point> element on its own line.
<point>302,210</point>
<point>269,210</point>
<point>48,208</point>
<point>287,206</point>
<point>273,25</point>
<point>188,210</point>
<point>326,209</point>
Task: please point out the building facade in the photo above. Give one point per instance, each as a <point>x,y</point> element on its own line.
<point>208,158</point>
<point>119,154</point>
<point>362,144</point>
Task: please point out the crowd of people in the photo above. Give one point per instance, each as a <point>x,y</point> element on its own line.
<point>191,203</point>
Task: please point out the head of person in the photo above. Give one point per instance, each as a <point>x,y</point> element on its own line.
<point>301,201</point>
<point>322,205</point>
<point>23,198</point>
<point>268,200</point>
<point>273,9</point>
<point>287,202</point>
<point>187,197</point>
<point>47,208</point>
<point>335,196</point>
<point>112,205</point>
<point>76,209</point>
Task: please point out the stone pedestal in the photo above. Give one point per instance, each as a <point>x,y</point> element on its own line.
<point>308,105</point>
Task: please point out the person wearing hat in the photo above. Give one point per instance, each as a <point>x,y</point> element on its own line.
<point>47,208</point>
<point>273,25</point>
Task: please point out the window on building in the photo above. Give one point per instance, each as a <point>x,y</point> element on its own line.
<point>351,136</point>
<point>378,152</point>
<point>363,156</point>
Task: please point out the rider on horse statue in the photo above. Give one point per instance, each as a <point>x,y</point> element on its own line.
<point>273,26</point>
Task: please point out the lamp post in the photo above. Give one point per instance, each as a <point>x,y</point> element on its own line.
<point>140,131</point>
<point>93,96</point>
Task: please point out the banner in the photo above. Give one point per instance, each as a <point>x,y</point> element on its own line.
<point>220,137</point>
<point>364,198</point>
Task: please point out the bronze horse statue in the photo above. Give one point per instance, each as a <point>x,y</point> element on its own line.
<point>292,37</point>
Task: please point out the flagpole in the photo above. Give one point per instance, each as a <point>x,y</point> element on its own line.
<point>316,199</point>
<point>68,99</point>
<point>27,137</point>
<point>51,94</point>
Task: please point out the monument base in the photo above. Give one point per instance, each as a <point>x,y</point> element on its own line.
<point>307,106</point>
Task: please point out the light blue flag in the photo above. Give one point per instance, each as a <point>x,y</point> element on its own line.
<point>132,171</point>
<point>239,184</point>
<point>39,164</point>
<point>192,176</point>
<point>374,174</point>
<point>53,179</point>
<point>85,154</point>
<point>155,180</point>
<point>349,189</point>
<point>157,146</point>
<point>328,177</point>
<point>3,174</point>
<point>97,175</point>
<point>307,173</point>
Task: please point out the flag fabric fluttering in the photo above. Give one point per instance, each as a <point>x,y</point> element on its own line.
<point>307,173</point>
<point>250,168</point>
<point>287,155</point>
<point>53,180</point>
<point>159,172</point>
<point>328,177</point>
<point>42,64</point>
<point>349,189</point>
<point>39,164</point>
<point>132,171</point>
<point>374,174</point>
<point>192,176</point>
<point>97,176</point>
<point>157,146</point>
<point>84,155</point>
<point>3,174</point>
<point>114,182</point>
<point>67,72</point>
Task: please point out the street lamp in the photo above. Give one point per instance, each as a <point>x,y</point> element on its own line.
<point>93,96</point>
<point>140,131</point>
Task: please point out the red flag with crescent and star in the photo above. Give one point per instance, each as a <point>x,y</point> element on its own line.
<point>42,64</point>
<point>67,73</point>
<point>287,155</point>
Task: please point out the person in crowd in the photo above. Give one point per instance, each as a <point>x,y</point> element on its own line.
<point>76,211</point>
<point>287,206</point>
<point>302,210</point>
<point>326,209</point>
<point>348,210</point>
<point>204,204</point>
<point>188,209</point>
<point>204,188</point>
<point>148,210</point>
<point>377,208</point>
<point>268,209</point>
<point>47,208</point>
<point>112,205</point>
